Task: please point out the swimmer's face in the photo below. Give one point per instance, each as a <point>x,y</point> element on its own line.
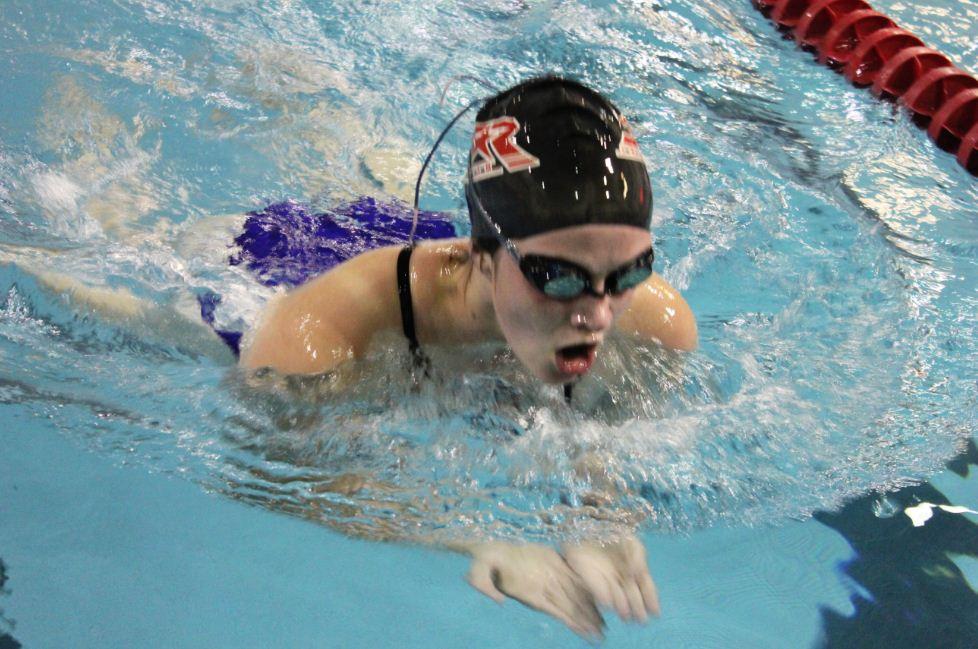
<point>557,340</point>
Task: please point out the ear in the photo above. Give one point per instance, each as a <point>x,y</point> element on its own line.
<point>484,264</point>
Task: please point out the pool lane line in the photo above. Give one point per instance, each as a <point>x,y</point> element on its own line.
<point>873,52</point>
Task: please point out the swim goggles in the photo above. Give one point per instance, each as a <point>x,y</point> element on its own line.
<point>561,279</point>
<point>565,280</point>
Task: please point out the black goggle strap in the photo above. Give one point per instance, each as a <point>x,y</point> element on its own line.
<point>427,161</point>
<point>441,136</point>
<point>497,231</point>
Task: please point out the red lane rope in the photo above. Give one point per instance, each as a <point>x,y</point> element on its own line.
<point>872,51</point>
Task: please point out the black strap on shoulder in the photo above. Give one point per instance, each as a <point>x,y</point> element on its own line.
<point>421,361</point>
<point>404,293</point>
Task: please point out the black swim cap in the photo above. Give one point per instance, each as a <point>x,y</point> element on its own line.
<point>551,153</point>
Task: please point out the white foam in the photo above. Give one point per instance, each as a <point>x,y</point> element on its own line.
<point>923,512</point>
<point>58,197</point>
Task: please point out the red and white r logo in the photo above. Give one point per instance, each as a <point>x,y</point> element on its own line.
<point>628,147</point>
<point>494,149</point>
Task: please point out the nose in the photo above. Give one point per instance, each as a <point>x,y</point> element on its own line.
<point>592,313</point>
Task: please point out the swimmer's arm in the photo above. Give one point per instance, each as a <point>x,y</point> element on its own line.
<point>294,339</point>
<point>327,322</point>
<point>148,320</point>
<point>569,585</point>
<point>533,574</point>
<point>659,313</point>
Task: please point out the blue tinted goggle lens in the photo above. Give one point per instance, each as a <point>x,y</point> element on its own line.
<point>564,280</point>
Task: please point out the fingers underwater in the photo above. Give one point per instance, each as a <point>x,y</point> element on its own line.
<point>621,601</point>
<point>650,594</point>
<point>581,603</point>
<point>635,602</point>
<point>481,578</point>
<point>561,607</point>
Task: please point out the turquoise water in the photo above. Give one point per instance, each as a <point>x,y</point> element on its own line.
<point>827,248</point>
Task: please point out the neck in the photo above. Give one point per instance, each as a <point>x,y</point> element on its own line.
<point>453,303</point>
<point>476,300</point>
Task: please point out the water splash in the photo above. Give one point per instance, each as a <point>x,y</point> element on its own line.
<point>837,317</point>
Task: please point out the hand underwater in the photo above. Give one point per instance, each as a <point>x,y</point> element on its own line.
<point>539,578</point>
<point>617,575</point>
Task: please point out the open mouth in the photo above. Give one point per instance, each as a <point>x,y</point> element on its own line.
<point>576,359</point>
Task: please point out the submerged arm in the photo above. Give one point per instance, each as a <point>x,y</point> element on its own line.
<point>532,574</point>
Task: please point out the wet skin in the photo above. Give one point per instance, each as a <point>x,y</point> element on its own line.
<point>536,326</point>
<point>460,297</point>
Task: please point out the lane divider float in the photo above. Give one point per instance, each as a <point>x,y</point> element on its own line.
<point>873,52</point>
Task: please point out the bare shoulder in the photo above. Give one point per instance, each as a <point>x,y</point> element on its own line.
<point>658,312</point>
<point>328,320</point>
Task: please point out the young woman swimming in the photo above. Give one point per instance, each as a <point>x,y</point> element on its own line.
<point>560,207</point>
<point>559,258</point>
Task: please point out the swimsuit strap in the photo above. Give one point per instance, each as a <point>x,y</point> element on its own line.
<point>404,293</point>
<point>407,308</point>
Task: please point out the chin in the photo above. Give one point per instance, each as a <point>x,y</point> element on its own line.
<point>553,380</point>
<point>551,376</point>
<point>543,373</point>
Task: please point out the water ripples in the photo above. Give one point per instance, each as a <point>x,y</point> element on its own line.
<point>829,256</point>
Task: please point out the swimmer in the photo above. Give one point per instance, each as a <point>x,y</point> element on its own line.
<point>560,258</point>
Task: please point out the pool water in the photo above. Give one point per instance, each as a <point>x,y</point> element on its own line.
<point>151,497</point>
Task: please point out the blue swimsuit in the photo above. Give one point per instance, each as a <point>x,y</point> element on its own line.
<point>286,244</point>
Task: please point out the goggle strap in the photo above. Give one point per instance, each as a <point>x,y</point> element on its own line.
<point>427,161</point>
